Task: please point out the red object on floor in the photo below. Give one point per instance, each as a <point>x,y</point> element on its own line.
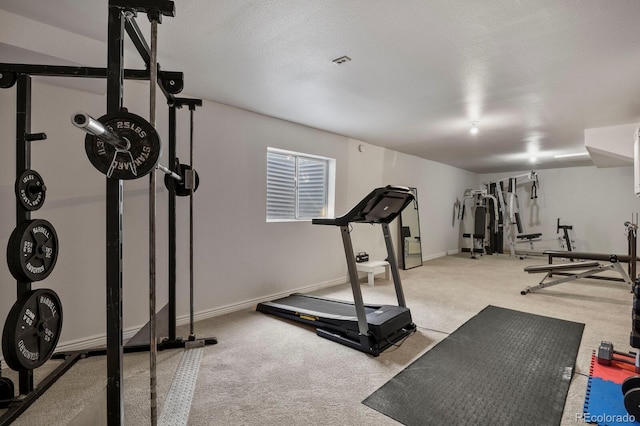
<point>616,372</point>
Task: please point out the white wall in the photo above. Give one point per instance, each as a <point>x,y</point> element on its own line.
<point>596,201</point>
<point>239,257</point>
<point>438,187</point>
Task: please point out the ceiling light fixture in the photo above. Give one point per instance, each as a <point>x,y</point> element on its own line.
<point>533,160</point>
<point>474,128</point>
<point>574,155</point>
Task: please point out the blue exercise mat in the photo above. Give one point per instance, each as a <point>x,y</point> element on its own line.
<point>604,404</point>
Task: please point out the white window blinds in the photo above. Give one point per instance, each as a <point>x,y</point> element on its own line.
<point>297,186</point>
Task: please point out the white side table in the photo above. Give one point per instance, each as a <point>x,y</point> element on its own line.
<point>372,268</point>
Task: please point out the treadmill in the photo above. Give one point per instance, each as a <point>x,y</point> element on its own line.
<point>368,328</point>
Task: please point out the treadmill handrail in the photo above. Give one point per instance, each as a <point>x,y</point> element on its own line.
<point>373,209</point>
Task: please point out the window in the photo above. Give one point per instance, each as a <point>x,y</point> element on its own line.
<point>299,186</point>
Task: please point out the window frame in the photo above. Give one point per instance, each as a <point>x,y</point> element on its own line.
<point>329,189</point>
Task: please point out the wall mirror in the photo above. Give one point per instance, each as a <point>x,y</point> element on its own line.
<point>410,246</point>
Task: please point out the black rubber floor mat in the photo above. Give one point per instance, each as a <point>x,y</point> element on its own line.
<point>502,367</point>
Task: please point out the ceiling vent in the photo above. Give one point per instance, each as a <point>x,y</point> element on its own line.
<point>341,60</point>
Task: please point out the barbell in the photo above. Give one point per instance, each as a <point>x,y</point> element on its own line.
<point>125,146</point>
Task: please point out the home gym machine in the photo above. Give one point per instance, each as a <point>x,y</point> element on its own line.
<point>516,232</point>
<point>483,204</point>
<point>367,328</point>
<point>143,150</point>
<point>505,192</point>
<point>496,209</point>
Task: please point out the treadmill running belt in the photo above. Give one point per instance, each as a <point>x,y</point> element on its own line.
<point>321,307</point>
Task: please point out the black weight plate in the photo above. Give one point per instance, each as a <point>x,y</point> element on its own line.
<point>141,157</point>
<point>13,251</point>
<point>172,85</point>
<point>32,250</point>
<point>8,79</point>
<point>181,190</point>
<point>30,190</point>
<point>6,392</point>
<point>632,402</point>
<point>630,383</point>
<point>32,329</point>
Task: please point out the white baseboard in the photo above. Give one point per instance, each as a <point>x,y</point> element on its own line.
<point>222,310</point>
<point>452,252</point>
<point>434,256</point>
<point>92,342</point>
<point>100,340</point>
<point>97,341</point>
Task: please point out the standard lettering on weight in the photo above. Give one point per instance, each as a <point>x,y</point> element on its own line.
<point>31,356</point>
<point>140,159</point>
<point>123,165</point>
<point>35,269</point>
<point>27,200</point>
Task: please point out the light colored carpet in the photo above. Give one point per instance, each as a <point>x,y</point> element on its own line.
<point>269,371</point>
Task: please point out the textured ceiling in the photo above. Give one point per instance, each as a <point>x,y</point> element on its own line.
<point>533,73</point>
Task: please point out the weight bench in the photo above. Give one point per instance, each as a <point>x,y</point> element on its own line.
<point>589,268</point>
<point>603,257</point>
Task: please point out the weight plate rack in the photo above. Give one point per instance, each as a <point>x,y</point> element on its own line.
<point>32,328</point>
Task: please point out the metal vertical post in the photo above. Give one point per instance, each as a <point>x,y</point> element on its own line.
<point>363,326</point>
<point>391,258</point>
<point>172,225</point>
<point>633,247</point>
<point>497,232</point>
<point>114,198</point>
<point>153,339</point>
<point>193,188</point>
<point>23,162</point>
